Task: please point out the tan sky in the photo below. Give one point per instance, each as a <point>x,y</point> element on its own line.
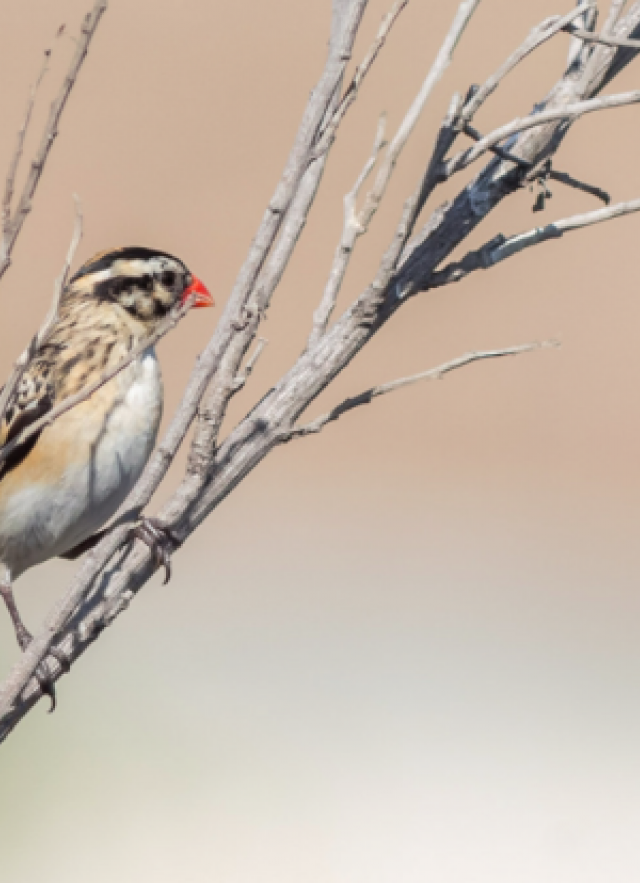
<point>406,649</point>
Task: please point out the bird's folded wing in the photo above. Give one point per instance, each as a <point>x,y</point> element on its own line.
<point>31,400</point>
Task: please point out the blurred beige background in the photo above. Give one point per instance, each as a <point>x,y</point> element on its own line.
<point>407,649</point>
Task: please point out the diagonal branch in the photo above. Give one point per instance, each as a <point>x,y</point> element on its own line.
<point>351,92</point>
<point>590,37</point>
<point>561,177</point>
<point>15,159</point>
<point>366,397</point>
<point>538,36</point>
<point>500,248</point>
<point>568,113</point>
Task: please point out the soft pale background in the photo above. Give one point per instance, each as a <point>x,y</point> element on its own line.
<point>408,649</point>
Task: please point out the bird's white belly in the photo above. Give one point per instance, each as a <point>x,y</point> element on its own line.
<point>107,449</point>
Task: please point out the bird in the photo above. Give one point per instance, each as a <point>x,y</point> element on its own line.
<point>61,485</point>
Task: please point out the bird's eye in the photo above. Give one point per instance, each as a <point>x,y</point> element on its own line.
<point>168,278</point>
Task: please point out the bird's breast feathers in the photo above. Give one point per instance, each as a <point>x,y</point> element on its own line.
<point>81,469</point>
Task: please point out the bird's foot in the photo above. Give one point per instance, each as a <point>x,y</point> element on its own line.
<point>42,673</point>
<point>160,539</point>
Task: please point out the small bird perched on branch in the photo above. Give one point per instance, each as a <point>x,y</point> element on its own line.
<point>60,486</point>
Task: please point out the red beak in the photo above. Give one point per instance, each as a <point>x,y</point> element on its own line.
<point>200,294</point>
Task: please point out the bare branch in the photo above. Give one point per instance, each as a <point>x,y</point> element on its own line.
<point>13,226</point>
<point>15,159</point>
<point>538,36</point>
<point>561,177</point>
<point>569,112</point>
<point>353,227</point>
<point>615,11</point>
<point>362,70</point>
<point>499,248</point>
<point>590,37</point>
<point>357,226</point>
<point>366,397</point>
<point>61,281</point>
<point>578,50</point>
<point>442,62</point>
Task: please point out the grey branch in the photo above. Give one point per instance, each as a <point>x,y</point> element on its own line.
<point>357,225</point>
<point>615,11</point>
<point>13,223</point>
<point>590,37</point>
<point>569,113</point>
<point>111,575</point>
<point>22,133</point>
<point>538,36</point>
<point>362,70</point>
<point>501,248</point>
<point>366,397</point>
<point>561,177</point>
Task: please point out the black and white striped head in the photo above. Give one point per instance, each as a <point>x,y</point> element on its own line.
<point>145,282</point>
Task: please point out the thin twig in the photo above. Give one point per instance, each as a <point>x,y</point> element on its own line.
<point>561,177</point>
<point>42,336</point>
<point>537,37</point>
<point>15,159</point>
<point>442,62</point>
<point>590,37</point>
<point>351,93</point>
<point>569,112</point>
<point>14,227</point>
<point>352,228</point>
<point>366,397</point>
<point>500,248</point>
<point>357,226</point>
<point>61,281</point>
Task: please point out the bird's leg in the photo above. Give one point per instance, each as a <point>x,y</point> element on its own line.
<point>24,638</point>
<point>161,541</point>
